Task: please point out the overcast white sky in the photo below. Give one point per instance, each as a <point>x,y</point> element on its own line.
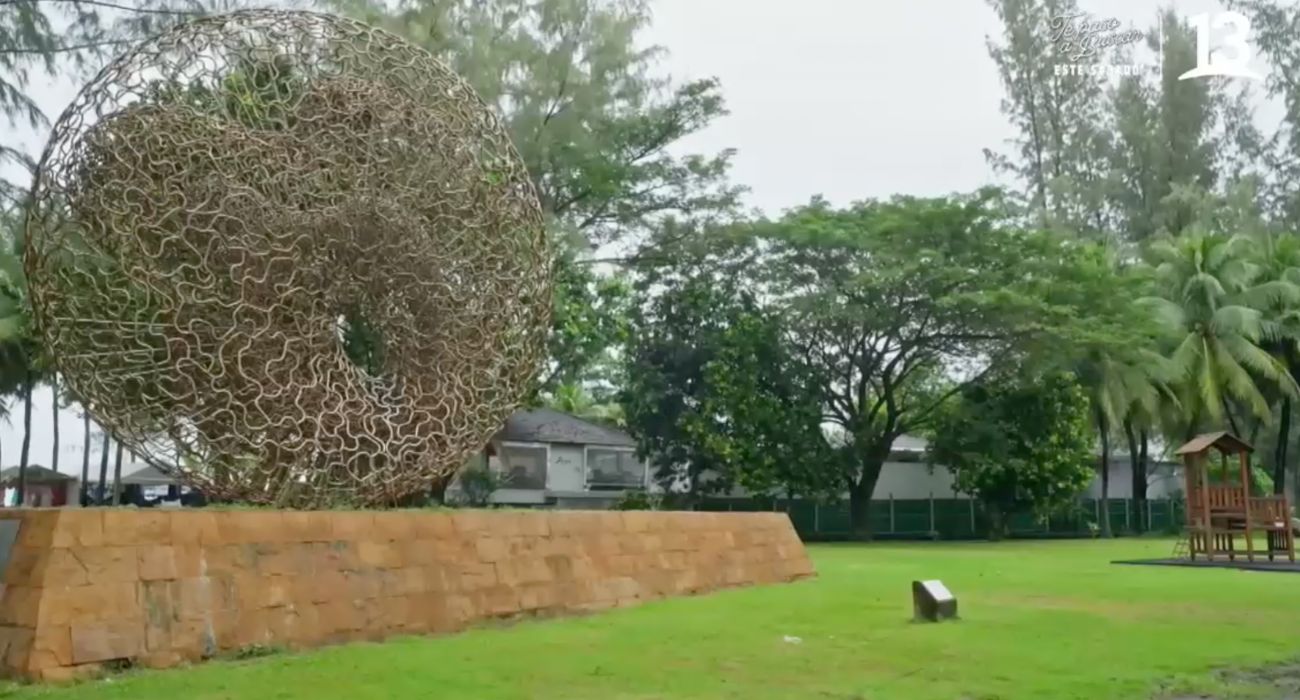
<point>845,98</point>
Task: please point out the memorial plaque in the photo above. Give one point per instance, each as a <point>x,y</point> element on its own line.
<point>932,601</point>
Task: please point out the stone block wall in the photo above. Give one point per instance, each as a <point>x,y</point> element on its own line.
<point>85,588</point>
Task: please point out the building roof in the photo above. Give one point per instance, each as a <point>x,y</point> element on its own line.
<point>549,425</point>
<point>1225,441</point>
<point>148,475</point>
<point>35,475</point>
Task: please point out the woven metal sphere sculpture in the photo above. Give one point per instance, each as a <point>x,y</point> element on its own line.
<point>292,257</point>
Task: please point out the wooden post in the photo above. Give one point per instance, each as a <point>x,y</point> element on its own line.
<point>971,501</point>
<point>1245,502</point>
<point>1188,466</point>
<point>931,513</point>
<point>1204,477</point>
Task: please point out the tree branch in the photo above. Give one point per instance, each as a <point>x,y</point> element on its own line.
<point>103,3</point>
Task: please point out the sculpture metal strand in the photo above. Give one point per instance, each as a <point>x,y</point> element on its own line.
<point>290,256</point>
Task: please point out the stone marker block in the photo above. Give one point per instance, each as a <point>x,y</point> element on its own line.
<point>932,601</point>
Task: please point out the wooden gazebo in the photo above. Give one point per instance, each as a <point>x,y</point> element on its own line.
<point>1220,510</point>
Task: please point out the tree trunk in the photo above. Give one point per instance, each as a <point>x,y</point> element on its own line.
<point>861,491</point>
<point>1232,422</point>
<point>1138,473</point>
<point>860,513</point>
<point>997,522</point>
<point>1104,432</point>
<point>54,398</point>
<point>85,459</point>
<point>1279,454</point>
<point>117,475</point>
<point>1144,463</point>
<point>100,490</point>
<point>27,438</point>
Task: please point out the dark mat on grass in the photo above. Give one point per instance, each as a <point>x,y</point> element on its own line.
<point>1282,566</point>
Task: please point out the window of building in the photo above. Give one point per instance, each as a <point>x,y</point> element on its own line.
<point>614,468</point>
<point>523,466</point>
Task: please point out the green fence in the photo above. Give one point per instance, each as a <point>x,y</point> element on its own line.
<point>954,518</point>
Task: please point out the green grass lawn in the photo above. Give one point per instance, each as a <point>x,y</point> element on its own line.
<point>1040,620</point>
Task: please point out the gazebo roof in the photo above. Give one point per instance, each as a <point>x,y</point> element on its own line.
<point>1223,440</point>
<point>36,474</point>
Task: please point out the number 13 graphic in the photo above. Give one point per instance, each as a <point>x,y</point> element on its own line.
<point>1232,58</point>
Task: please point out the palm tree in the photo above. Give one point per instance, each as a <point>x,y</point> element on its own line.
<point>1279,260</point>
<point>18,349</point>
<point>1208,296</point>
<point>1121,382</point>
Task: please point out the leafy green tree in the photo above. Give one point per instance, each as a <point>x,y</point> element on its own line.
<point>1017,446</point>
<point>49,38</point>
<point>892,307</point>
<point>761,417</point>
<point>589,320</point>
<point>1208,296</point>
<point>575,86</point>
<point>21,360</point>
<point>1174,138</point>
<point>677,332</point>
<point>576,400</point>
<point>1059,153</point>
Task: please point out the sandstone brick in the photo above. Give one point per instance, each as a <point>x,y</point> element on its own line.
<point>451,550</point>
<point>339,616</point>
<point>379,555</point>
<point>68,674</point>
<point>353,526</point>
<point>194,527</point>
<point>362,585</point>
<point>498,601</point>
<point>637,521</point>
<point>61,605</point>
<point>106,641</point>
<point>320,526</point>
<point>251,627</point>
<point>158,563</point>
<point>394,612</point>
<point>133,526</point>
<point>161,659</point>
<point>534,524</point>
<point>459,609</point>
<point>284,559</point>
<point>491,549</point>
<point>54,643</point>
<point>298,527</point>
<point>417,552</point>
<point>81,527</point>
<point>159,601</point>
<point>38,527</point>
<point>433,525</point>
<point>277,591</point>
<point>471,522</point>
<point>234,528</point>
<point>229,559</point>
<point>27,566</point>
<point>539,596</point>
<point>394,526</point>
<point>475,576</point>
